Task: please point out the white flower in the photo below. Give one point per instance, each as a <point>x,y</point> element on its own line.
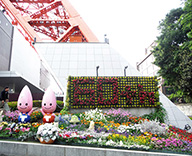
<point>54,128</point>
<point>100,140</point>
<point>110,142</point>
<point>94,140</point>
<point>41,139</point>
<point>50,132</point>
<point>53,138</point>
<point>121,143</point>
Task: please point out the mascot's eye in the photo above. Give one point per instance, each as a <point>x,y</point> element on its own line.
<point>20,104</point>
<point>50,104</point>
<point>44,104</point>
<point>26,104</point>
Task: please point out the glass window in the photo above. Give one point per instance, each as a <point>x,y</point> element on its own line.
<point>98,51</point>
<point>48,57</point>
<point>50,51</point>
<point>56,58</point>
<point>90,51</point>
<point>74,51</point>
<point>90,57</point>
<point>91,72</point>
<point>116,64</point>
<point>82,57</point>
<point>81,72</point>
<point>65,57</point>
<point>99,57</point>
<point>82,51</point>
<point>107,65</point>
<point>64,64</point>
<point>81,65</point>
<point>91,64</point>
<point>106,57</point>
<point>118,72</point>
<point>58,51</point>
<point>55,64</point>
<point>115,57</point>
<point>73,72</point>
<point>74,58</point>
<point>106,51</point>
<point>99,63</point>
<point>63,72</point>
<point>66,51</point>
<point>108,72</point>
<point>72,65</point>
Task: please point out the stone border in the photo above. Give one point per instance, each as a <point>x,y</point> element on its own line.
<point>36,149</point>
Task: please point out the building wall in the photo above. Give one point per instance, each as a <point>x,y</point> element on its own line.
<point>44,77</point>
<point>25,61</point>
<point>6,31</point>
<point>147,68</point>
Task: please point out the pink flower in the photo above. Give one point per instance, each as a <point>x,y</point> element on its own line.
<point>25,129</point>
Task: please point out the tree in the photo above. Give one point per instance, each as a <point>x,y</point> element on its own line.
<point>173,54</point>
<point>186,19</point>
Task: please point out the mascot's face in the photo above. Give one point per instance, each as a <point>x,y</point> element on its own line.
<point>25,101</point>
<point>49,101</point>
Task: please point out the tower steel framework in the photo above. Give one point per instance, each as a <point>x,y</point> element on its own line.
<point>42,20</point>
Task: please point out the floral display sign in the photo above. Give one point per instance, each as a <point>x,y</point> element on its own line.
<point>113,92</point>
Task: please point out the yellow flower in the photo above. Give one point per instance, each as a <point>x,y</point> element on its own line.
<point>114,135</point>
<point>117,135</point>
<point>4,123</point>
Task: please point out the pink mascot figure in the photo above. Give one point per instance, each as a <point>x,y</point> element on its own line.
<point>25,105</point>
<point>48,106</point>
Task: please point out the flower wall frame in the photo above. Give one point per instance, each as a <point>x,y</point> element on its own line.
<point>113,92</point>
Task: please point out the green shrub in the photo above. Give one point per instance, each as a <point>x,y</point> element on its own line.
<point>160,114</point>
<point>36,103</point>
<point>13,105</point>
<point>67,101</point>
<point>60,105</point>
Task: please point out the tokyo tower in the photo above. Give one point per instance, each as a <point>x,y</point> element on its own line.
<point>47,20</point>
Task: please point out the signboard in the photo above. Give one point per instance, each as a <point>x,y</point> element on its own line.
<point>113,92</point>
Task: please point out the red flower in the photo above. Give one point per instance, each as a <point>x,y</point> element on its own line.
<point>67,135</point>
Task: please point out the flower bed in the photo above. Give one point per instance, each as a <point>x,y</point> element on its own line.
<point>114,128</point>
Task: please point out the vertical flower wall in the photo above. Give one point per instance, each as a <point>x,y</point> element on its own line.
<point>116,92</point>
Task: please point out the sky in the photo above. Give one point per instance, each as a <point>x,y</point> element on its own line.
<point>131,25</point>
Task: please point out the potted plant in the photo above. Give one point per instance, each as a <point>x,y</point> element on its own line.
<point>47,133</point>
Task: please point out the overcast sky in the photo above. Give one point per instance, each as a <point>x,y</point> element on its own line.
<point>131,25</point>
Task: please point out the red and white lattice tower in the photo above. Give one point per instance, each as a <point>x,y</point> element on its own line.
<point>54,20</point>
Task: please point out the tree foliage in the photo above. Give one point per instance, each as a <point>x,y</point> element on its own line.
<point>186,19</point>
<point>173,51</point>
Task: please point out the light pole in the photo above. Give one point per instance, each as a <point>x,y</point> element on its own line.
<point>125,70</point>
<point>97,68</point>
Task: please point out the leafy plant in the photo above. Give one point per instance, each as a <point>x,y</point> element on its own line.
<point>13,105</point>
<point>67,101</point>
<point>159,114</point>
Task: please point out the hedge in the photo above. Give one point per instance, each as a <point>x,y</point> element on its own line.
<point>36,103</point>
